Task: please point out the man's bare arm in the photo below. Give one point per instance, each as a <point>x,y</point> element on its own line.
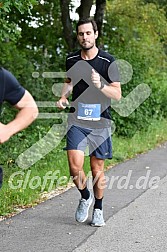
<point>65,93</point>
<point>111,91</point>
<point>28,112</point>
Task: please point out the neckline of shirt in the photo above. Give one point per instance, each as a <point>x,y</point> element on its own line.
<point>92,58</point>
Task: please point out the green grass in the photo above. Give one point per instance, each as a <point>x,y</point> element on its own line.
<point>24,195</point>
<point>141,142</point>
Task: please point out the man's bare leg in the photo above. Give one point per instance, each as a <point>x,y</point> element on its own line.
<point>76,161</point>
<point>99,183</point>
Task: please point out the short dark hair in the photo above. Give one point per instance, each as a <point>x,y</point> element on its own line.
<point>87,21</point>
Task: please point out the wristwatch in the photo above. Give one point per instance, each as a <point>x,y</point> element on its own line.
<point>102,85</point>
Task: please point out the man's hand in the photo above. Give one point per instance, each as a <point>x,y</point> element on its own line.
<point>62,102</point>
<point>95,77</point>
<point>4,133</point>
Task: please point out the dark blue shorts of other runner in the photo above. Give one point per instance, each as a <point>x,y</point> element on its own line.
<point>98,141</point>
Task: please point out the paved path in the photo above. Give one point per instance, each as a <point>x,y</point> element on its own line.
<point>135,214</point>
<point>140,227</point>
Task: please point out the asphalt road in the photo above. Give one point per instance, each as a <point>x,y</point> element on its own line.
<point>135,214</point>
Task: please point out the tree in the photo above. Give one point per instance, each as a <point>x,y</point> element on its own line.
<point>9,30</point>
<point>136,32</point>
<point>84,12</point>
<point>160,3</point>
<point>39,38</point>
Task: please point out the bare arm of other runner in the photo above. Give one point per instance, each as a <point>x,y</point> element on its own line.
<point>28,112</point>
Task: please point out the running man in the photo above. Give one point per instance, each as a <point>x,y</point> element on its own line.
<point>93,80</point>
<point>12,92</point>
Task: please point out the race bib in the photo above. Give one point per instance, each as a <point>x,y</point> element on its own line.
<point>89,111</point>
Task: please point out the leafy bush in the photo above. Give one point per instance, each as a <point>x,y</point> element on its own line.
<point>136,33</point>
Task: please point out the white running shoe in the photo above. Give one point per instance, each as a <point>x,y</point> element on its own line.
<point>82,211</point>
<point>97,218</point>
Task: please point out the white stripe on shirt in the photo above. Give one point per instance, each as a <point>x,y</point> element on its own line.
<point>73,57</point>
<point>103,58</point>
